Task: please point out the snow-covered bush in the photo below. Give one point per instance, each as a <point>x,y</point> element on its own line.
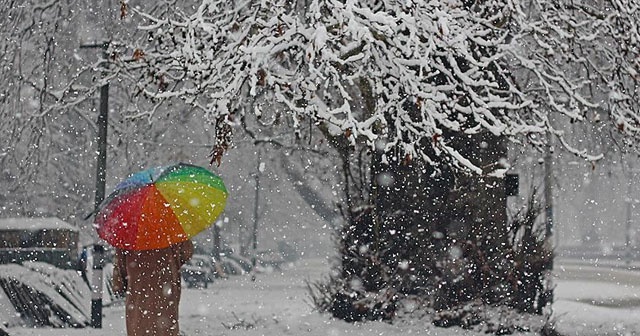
<point>461,287</point>
<point>43,295</point>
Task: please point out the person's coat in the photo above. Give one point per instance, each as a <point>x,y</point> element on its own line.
<point>152,283</point>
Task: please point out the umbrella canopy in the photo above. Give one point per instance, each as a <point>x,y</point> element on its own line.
<point>162,206</point>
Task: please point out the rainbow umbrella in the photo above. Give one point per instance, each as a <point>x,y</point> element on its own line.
<point>162,206</point>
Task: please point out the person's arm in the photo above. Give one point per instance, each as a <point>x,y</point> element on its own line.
<point>186,252</point>
<point>119,281</point>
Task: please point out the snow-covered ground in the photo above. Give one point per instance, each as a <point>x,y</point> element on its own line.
<point>601,302</point>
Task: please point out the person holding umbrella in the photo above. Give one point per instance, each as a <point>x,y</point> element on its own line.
<point>149,219</point>
<point>151,283</point>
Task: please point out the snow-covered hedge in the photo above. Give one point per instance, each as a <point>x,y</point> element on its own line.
<point>39,294</point>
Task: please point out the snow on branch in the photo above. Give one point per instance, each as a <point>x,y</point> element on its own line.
<point>410,74</point>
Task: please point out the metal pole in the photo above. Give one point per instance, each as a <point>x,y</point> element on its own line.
<point>102,144</point>
<point>255,212</point>
<point>548,192</point>
<point>628,226</point>
<point>216,242</point>
<point>96,286</point>
<point>101,173</point>
<point>629,200</point>
<point>102,123</point>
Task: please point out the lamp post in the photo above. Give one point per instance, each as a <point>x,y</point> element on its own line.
<point>629,243</point>
<point>256,207</point>
<point>101,174</point>
<point>548,196</point>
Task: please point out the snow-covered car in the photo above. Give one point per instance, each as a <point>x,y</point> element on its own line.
<point>269,260</point>
<point>231,267</point>
<point>243,262</point>
<point>199,271</point>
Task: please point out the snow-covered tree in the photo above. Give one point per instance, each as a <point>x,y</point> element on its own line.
<point>48,107</point>
<point>36,141</point>
<point>431,90</point>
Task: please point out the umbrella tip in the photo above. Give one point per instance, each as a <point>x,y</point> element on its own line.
<point>95,211</point>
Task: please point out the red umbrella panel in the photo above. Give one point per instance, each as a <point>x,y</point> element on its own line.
<point>159,207</point>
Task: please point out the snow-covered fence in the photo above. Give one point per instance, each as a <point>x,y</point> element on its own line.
<point>43,295</point>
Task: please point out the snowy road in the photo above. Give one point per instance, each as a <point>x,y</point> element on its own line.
<point>597,299</point>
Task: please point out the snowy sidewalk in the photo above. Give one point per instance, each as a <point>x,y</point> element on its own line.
<point>275,304</point>
<point>278,304</point>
